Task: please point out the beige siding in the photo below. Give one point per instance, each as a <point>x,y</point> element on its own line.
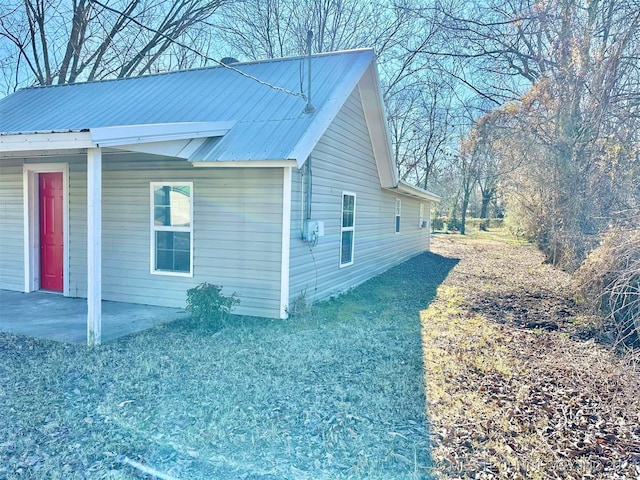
<point>236,230</point>
<point>236,234</point>
<point>11,226</point>
<point>343,161</point>
<point>78,227</point>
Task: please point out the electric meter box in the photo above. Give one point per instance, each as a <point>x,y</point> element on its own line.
<point>314,227</point>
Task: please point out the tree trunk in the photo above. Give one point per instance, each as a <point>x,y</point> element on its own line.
<point>463,214</point>
<point>487,195</point>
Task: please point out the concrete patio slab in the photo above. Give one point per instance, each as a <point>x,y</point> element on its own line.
<point>54,317</point>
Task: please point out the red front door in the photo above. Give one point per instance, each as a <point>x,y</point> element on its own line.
<point>51,232</point>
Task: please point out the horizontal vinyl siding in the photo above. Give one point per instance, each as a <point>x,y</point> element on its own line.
<point>78,228</point>
<point>11,226</point>
<point>236,234</point>
<point>343,161</point>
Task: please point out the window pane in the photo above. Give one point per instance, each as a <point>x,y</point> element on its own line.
<point>348,204</point>
<point>164,240</point>
<point>172,205</point>
<point>181,262</point>
<point>347,247</point>
<point>173,251</point>
<point>182,241</point>
<point>397,224</point>
<point>161,195</point>
<point>164,260</point>
<point>161,216</point>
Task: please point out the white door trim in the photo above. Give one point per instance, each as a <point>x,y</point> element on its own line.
<point>31,204</point>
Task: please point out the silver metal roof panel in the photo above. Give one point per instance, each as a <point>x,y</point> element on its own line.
<point>269,123</point>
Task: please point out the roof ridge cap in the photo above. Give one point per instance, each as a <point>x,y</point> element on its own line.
<point>199,69</point>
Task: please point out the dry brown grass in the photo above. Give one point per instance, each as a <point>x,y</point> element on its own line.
<point>333,393</point>
<point>508,400</point>
<point>337,392</point>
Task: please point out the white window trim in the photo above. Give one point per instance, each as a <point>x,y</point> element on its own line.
<point>154,229</point>
<point>348,229</point>
<point>398,216</point>
<point>421,217</point>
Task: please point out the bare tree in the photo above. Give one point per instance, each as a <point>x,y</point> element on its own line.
<point>421,122</point>
<point>258,29</point>
<point>56,42</point>
<point>564,76</point>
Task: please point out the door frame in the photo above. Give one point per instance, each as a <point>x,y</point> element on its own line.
<point>31,203</point>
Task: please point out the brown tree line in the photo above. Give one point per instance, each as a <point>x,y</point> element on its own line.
<point>564,80</point>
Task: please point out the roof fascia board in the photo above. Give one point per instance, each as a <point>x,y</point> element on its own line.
<point>44,154</point>
<point>157,132</point>
<point>247,164</point>
<point>327,113</point>
<point>413,191</point>
<point>374,112</point>
<point>45,141</point>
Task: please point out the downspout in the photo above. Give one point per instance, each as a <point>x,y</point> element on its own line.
<point>308,190</point>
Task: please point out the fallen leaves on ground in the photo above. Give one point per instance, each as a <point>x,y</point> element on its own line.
<point>516,388</point>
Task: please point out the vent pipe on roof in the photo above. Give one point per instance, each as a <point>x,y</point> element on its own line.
<point>309,108</point>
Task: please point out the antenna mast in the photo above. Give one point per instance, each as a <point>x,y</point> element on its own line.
<point>309,108</point>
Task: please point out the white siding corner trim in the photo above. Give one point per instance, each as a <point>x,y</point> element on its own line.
<point>32,223</point>
<point>286,242</point>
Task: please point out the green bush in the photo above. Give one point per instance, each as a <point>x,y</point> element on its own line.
<point>206,302</point>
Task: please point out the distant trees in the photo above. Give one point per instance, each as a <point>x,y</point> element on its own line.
<point>47,42</point>
<point>421,129</point>
<point>563,79</point>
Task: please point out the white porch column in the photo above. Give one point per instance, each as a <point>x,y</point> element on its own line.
<point>286,242</point>
<point>94,246</point>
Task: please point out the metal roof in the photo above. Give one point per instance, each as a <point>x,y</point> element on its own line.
<point>268,124</point>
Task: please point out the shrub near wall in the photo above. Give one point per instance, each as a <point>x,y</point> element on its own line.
<point>207,303</point>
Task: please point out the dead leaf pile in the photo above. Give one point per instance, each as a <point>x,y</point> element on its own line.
<point>507,400</point>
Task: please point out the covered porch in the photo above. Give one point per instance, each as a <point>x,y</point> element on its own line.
<point>55,317</point>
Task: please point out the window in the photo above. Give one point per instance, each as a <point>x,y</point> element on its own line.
<point>347,229</point>
<point>398,211</point>
<point>421,222</point>
<point>172,228</point>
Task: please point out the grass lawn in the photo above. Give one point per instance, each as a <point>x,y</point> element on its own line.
<point>334,393</point>
<point>519,385</point>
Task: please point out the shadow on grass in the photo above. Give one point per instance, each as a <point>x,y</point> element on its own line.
<point>337,393</point>
<point>342,382</point>
<point>409,286</point>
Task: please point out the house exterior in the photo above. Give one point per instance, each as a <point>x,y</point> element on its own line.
<point>135,190</point>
